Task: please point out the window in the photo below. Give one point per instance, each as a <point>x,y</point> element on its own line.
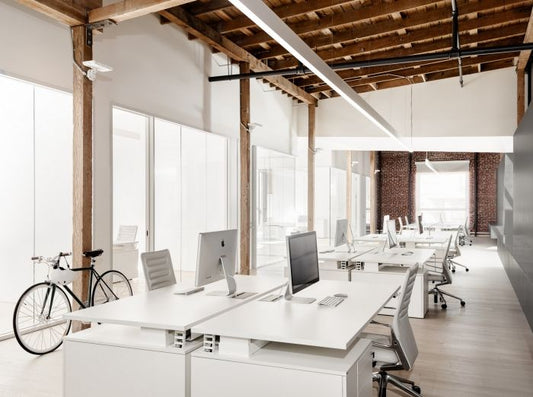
<point>443,196</point>
<point>36,180</point>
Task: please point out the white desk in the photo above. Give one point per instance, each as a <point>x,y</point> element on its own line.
<point>144,342</point>
<point>322,342</point>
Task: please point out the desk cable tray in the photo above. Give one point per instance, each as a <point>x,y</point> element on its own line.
<point>358,265</point>
<point>345,264</point>
<point>180,339</point>
<point>211,343</point>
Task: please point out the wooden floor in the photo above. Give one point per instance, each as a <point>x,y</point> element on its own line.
<point>485,349</point>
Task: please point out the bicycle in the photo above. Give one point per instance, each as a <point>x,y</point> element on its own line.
<point>38,321</point>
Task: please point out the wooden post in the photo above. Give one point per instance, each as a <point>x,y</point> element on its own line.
<point>521,97</point>
<point>349,194</point>
<point>311,151</point>
<point>83,175</point>
<point>245,192</point>
<point>373,193</point>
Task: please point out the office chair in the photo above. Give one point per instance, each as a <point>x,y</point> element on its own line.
<point>398,351</point>
<point>444,277</point>
<point>466,236</point>
<point>401,224</point>
<point>406,220</point>
<point>454,253</point>
<point>127,234</point>
<point>158,270</point>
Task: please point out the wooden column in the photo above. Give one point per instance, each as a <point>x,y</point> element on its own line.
<point>373,193</point>
<point>83,172</point>
<point>245,193</point>
<point>349,208</point>
<point>311,151</point>
<point>521,95</point>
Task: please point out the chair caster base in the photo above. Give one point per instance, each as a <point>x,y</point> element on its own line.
<point>444,306</point>
<point>417,389</point>
<point>463,303</point>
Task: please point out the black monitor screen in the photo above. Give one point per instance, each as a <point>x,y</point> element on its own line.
<point>303,260</point>
<point>420,226</point>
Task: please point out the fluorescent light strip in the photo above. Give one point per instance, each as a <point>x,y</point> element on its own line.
<point>267,20</point>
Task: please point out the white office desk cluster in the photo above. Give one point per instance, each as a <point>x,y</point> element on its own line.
<point>152,344</point>
<point>375,266</point>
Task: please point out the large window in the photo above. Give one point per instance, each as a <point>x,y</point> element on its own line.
<point>443,196</point>
<point>171,181</point>
<point>36,180</point>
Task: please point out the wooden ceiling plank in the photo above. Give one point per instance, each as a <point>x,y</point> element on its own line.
<point>418,48</point>
<point>129,9</point>
<point>65,12</point>
<point>283,11</point>
<point>524,55</point>
<point>373,11</point>
<point>197,8</point>
<point>206,33</point>
<point>425,33</point>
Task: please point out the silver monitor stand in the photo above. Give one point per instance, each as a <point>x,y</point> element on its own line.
<point>296,299</point>
<point>232,285</point>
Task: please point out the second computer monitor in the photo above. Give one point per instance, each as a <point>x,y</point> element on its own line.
<point>391,233</point>
<point>216,256</point>
<point>302,256</point>
<point>341,231</point>
<point>420,226</point>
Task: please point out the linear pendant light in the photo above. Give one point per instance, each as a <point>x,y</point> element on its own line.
<point>267,20</point>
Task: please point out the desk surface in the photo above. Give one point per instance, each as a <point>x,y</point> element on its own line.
<point>399,256</point>
<point>162,309</point>
<point>433,238</point>
<point>306,324</point>
<point>344,256</point>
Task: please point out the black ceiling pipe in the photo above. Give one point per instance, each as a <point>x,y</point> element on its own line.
<point>301,70</point>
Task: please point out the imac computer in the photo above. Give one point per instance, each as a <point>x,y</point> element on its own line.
<point>302,256</point>
<point>386,220</point>
<point>216,260</point>
<point>392,237</point>
<point>341,233</point>
<point>419,224</point>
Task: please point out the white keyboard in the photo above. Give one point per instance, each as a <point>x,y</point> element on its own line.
<point>331,301</point>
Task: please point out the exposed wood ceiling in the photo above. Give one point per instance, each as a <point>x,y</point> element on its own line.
<point>343,30</point>
<point>339,31</point>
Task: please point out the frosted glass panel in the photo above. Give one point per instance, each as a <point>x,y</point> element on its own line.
<point>130,132</point>
<point>216,182</point>
<point>16,194</point>
<point>338,199</point>
<point>167,189</point>
<point>193,156</point>
<point>53,174</point>
<point>275,208</point>
<point>322,205</point>
<point>355,204</point>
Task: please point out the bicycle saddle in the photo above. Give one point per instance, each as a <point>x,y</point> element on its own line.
<point>93,254</point>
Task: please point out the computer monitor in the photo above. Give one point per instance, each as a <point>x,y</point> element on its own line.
<point>341,231</point>
<point>386,219</point>
<point>419,224</point>
<point>216,259</point>
<point>302,257</point>
<point>392,237</point>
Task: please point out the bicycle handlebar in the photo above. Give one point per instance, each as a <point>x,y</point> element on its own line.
<point>65,253</point>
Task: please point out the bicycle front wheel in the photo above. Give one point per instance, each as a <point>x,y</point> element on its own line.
<point>111,285</point>
<point>38,321</point>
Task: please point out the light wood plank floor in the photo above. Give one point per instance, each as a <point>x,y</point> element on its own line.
<point>485,349</point>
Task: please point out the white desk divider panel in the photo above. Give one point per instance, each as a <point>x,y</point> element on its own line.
<point>145,341</point>
<point>304,345</point>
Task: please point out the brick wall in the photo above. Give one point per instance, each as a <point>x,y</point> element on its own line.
<point>397,184</point>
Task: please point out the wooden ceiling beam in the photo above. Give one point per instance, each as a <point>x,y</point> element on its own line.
<point>420,17</point>
<point>421,34</point>
<point>369,11</point>
<point>417,48</point>
<point>66,12</point>
<point>200,8</point>
<point>196,27</point>
<point>412,72</point>
<point>284,11</point>
<point>129,9</point>
<point>524,55</point>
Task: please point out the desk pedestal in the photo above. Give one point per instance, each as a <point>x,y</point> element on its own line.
<point>284,370</point>
<point>113,360</point>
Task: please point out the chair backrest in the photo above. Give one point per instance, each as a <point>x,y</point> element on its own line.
<point>158,270</point>
<point>446,273</point>
<point>401,224</point>
<point>406,220</point>
<point>127,233</point>
<point>457,245</point>
<point>401,327</point>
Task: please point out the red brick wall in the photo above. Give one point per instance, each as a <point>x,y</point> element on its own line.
<point>397,184</point>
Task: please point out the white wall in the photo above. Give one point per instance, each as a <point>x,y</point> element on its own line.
<point>483,111</point>
<point>157,70</point>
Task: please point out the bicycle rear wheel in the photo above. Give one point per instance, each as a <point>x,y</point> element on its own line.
<point>111,285</point>
<point>38,321</point>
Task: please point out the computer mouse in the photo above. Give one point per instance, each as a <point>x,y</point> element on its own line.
<point>340,295</point>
